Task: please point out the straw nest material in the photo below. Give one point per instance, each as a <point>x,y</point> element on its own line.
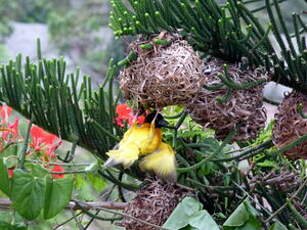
<point>153,204</point>
<point>163,75</point>
<point>243,109</point>
<point>290,125</point>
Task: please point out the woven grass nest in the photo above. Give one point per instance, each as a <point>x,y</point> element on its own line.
<point>243,110</point>
<point>163,75</point>
<point>153,204</point>
<point>290,125</point>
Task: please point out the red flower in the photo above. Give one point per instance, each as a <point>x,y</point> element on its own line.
<point>57,168</point>
<point>12,129</point>
<point>11,173</point>
<point>8,127</point>
<point>125,114</point>
<point>44,141</point>
<point>5,112</point>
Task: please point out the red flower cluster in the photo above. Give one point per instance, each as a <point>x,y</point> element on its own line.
<point>9,130</point>
<point>57,168</point>
<point>44,141</point>
<point>125,114</point>
<point>41,141</point>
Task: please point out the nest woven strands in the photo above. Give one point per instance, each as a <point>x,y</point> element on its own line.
<point>153,204</point>
<point>243,110</point>
<point>163,75</point>
<point>290,125</point>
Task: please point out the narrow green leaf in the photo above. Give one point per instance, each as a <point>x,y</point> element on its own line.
<point>4,179</point>
<point>58,194</point>
<point>27,194</point>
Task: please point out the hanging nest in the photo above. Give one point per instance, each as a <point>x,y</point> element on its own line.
<point>153,204</point>
<point>243,109</point>
<point>290,125</point>
<point>163,74</point>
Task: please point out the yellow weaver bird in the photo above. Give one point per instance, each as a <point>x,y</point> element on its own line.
<point>145,140</point>
<point>137,141</point>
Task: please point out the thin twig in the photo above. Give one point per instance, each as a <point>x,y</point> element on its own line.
<point>286,204</point>
<point>66,221</point>
<point>91,221</point>
<point>79,225</point>
<point>6,204</point>
<point>61,164</point>
<point>131,217</point>
<point>70,172</point>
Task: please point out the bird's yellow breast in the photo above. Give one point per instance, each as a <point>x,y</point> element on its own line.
<point>144,137</point>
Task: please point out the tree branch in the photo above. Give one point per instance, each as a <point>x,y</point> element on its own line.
<point>7,203</point>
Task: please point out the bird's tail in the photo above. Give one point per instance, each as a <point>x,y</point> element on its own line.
<point>162,162</point>
<point>125,155</point>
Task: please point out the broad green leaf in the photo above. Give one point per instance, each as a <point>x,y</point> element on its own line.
<point>27,194</point>
<point>181,214</point>
<point>245,217</point>
<point>36,170</point>
<point>11,150</point>
<point>4,179</point>
<point>250,225</point>
<point>58,194</point>
<point>8,226</point>
<point>238,217</point>
<point>278,226</point>
<point>203,221</point>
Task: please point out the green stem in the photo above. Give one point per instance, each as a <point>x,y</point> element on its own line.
<point>200,163</point>
<point>293,144</point>
<point>22,156</point>
<point>298,216</point>
<point>111,178</point>
<point>249,153</point>
<point>285,204</point>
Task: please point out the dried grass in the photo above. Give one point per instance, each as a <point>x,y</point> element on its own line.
<point>290,125</point>
<point>243,110</point>
<point>163,75</point>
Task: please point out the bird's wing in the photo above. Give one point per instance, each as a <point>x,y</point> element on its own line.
<point>162,162</point>
<point>127,154</point>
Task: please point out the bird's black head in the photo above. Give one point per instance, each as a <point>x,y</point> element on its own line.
<point>159,122</point>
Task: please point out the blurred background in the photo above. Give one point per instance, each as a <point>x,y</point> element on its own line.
<point>74,29</point>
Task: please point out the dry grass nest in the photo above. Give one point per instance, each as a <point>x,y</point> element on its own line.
<point>243,110</point>
<point>290,125</point>
<point>153,204</point>
<point>162,75</point>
